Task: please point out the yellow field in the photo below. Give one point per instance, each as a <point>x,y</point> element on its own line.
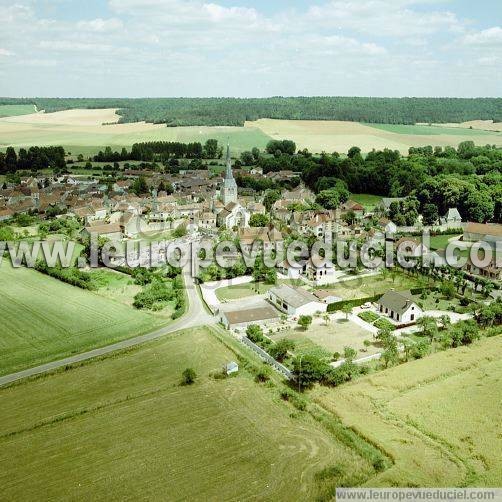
<point>438,418</point>
<point>339,136</point>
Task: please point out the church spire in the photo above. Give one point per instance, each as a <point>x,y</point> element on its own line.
<point>228,172</point>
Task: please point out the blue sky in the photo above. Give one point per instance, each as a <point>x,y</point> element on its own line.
<point>136,48</point>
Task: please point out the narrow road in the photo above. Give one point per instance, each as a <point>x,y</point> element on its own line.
<point>195,315</point>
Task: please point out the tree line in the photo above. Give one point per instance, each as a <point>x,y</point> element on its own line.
<point>235,111</point>
<point>34,158</point>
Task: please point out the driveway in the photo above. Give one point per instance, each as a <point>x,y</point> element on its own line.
<point>208,289</point>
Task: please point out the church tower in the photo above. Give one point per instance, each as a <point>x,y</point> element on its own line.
<point>229,185</point>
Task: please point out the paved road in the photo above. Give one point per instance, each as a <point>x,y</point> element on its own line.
<point>196,315</point>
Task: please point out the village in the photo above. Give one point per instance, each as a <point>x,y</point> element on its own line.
<point>310,307</point>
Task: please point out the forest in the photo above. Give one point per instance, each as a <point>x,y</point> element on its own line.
<point>235,111</point>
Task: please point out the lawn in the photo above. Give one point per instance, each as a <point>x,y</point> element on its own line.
<point>15,110</point>
<point>325,340</point>
<point>370,202</point>
<point>373,285</point>
<point>44,319</point>
<point>439,417</point>
<point>124,428</point>
<point>238,291</point>
<point>441,241</point>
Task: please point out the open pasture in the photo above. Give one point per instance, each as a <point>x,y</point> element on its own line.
<point>84,131</point>
<point>44,319</point>
<point>331,136</point>
<point>124,428</point>
<point>438,418</point>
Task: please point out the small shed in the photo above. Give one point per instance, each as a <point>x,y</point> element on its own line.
<point>231,368</point>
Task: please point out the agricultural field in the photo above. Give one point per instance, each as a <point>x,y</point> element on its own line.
<point>362,287</point>
<point>330,338</point>
<point>44,319</point>
<point>124,425</point>
<point>84,131</point>
<point>438,418</point>
<point>15,110</point>
<point>331,136</point>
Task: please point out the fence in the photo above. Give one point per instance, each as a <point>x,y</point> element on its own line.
<point>267,358</point>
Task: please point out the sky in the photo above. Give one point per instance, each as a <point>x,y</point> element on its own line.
<point>244,48</point>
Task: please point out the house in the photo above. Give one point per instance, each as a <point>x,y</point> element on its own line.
<point>487,232</point>
<point>388,227</point>
<point>266,237</point>
<point>231,368</point>
<point>452,218</point>
<point>320,274</point>
<point>295,301</point>
<point>408,246</point>
<point>233,215</point>
<point>400,307</point>
<point>6,214</point>
<point>241,318</point>
<point>110,231</point>
<point>352,206</point>
<point>491,271</point>
<point>291,271</point>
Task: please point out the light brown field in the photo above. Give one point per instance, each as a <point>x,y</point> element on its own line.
<point>330,136</point>
<point>77,117</point>
<point>481,125</point>
<point>438,418</point>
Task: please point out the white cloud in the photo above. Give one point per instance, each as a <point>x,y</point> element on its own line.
<point>5,52</point>
<point>100,25</point>
<point>488,37</point>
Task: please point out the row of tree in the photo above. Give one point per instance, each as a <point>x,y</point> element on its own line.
<point>35,158</point>
<point>235,111</point>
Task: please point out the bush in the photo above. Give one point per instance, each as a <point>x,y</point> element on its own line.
<point>155,296</point>
<point>294,398</point>
<point>263,374</point>
<point>254,333</point>
<point>335,307</point>
<point>384,325</point>
<point>188,376</point>
<point>72,276</point>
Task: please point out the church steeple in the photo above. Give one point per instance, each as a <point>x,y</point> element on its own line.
<point>229,185</point>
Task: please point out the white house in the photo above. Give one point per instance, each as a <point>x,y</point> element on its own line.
<point>295,301</point>
<point>320,274</point>
<point>452,218</point>
<point>400,307</point>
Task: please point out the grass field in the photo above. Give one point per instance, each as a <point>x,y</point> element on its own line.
<point>372,285</point>
<point>438,418</point>
<point>331,338</point>
<point>124,428</point>
<point>370,202</point>
<point>44,319</point>
<point>82,131</point>
<point>330,136</point>
<point>15,110</point>
<point>441,241</point>
<point>238,291</point>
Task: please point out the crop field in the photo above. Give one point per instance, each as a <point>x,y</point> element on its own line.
<point>339,136</point>
<point>44,319</point>
<point>362,287</point>
<point>438,418</point>
<point>125,426</point>
<point>83,131</point>
<point>14,110</point>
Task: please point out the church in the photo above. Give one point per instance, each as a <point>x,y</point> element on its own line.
<point>232,214</point>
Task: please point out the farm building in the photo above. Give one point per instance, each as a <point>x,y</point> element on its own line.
<point>295,301</point>
<point>234,319</point>
<point>399,307</point>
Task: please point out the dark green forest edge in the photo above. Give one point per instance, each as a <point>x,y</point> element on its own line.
<point>235,111</point>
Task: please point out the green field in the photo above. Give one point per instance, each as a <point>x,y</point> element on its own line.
<point>89,143</point>
<point>44,319</point>
<point>367,200</point>
<point>441,241</point>
<point>432,130</point>
<point>124,428</point>
<point>14,110</point>
<point>362,287</point>
<point>438,418</point>
<point>238,291</point>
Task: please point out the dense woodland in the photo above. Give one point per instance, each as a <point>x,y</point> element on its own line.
<point>235,111</point>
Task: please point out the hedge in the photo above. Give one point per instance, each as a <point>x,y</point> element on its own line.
<point>334,307</point>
